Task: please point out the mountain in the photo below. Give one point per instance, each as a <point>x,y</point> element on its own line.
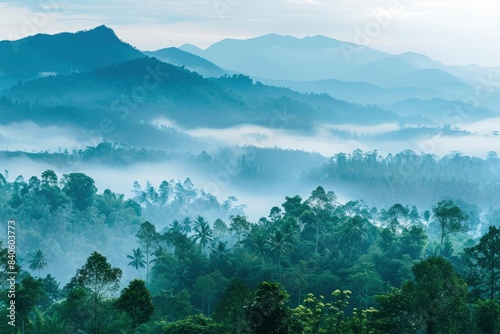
<point>311,61</point>
<point>192,62</point>
<point>285,57</point>
<point>44,55</point>
<point>145,89</point>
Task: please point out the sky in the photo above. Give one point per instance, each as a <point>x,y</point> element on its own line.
<point>451,31</point>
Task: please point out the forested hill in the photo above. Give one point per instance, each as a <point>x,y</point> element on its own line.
<point>42,55</point>
<point>145,88</point>
<point>321,265</point>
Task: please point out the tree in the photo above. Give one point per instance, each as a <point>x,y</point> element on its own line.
<point>147,238</point>
<point>203,232</point>
<point>80,188</point>
<point>98,277</point>
<point>37,261</point>
<point>487,316</point>
<point>230,310</point>
<point>319,201</point>
<point>136,301</point>
<point>268,313</point>
<point>28,294</point>
<point>138,261</point>
<point>450,217</point>
<point>279,244</point>
<point>437,296</point>
<point>484,263</point>
<point>195,324</point>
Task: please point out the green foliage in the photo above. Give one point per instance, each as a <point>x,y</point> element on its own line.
<point>195,324</point>
<point>135,300</point>
<point>437,296</point>
<point>487,316</point>
<point>80,188</point>
<point>98,277</point>
<point>484,264</point>
<point>450,218</point>
<point>230,311</point>
<point>268,312</point>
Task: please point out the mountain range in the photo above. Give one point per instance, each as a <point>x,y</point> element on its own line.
<point>89,74</point>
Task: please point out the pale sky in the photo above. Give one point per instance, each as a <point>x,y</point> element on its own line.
<point>451,31</point>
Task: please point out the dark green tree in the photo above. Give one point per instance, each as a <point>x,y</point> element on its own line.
<point>28,295</point>
<point>438,296</point>
<point>484,263</point>
<point>230,311</point>
<point>98,277</point>
<point>195,324</point>
<point>135,300</point>
<point>80,188</point>
<point>268,312</point>
<point>487,316</point>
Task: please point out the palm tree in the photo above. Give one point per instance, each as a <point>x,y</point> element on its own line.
<point>279,244</point>
<point>186,225</point>
<point>258,244</point>
<point>354,232</point>
<point>138,261</point>
<point>221,256</point>
<point>158,253</point>
<point>37,261</point>
<point>203,232</point>
<point>175,226</point>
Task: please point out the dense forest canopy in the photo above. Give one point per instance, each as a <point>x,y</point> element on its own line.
<point>312,265</point>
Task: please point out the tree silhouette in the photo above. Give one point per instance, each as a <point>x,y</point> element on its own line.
<point>138,261</point>
<point>136,301</point>
<point>37,261</point>
<point>98,277</point>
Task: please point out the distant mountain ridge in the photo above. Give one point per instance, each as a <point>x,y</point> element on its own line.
<point>192,62</point>
<point>41,55</point>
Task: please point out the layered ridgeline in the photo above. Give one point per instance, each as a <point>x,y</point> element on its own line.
<point>350,71</point>
<point>91,87</point>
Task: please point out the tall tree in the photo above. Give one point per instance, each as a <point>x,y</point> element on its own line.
<point>37,261</point>
<point>267,312</point>
<point>147,238</point>
<point>484,263</point>
<point>80,188</point>
<point>137,302</point>
<point>28,294</point>
<point>203,232</point>
<point>450,217</point>
<point>98,277</point>
<point>279,244</point>
<point>138,261</point>
<point>438,296</point>
<point>318,201</point>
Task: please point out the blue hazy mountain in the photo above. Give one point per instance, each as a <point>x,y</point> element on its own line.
<point>177,94</point>
<point>313,61</point>
<point>44,55</point>
<point>178,57</point>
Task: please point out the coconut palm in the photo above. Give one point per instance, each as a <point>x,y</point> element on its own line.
<point>203,232</point>
<point>37,261</point>
<point>186,225</point>
<point>138,261</point>
<point>279,244</point>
